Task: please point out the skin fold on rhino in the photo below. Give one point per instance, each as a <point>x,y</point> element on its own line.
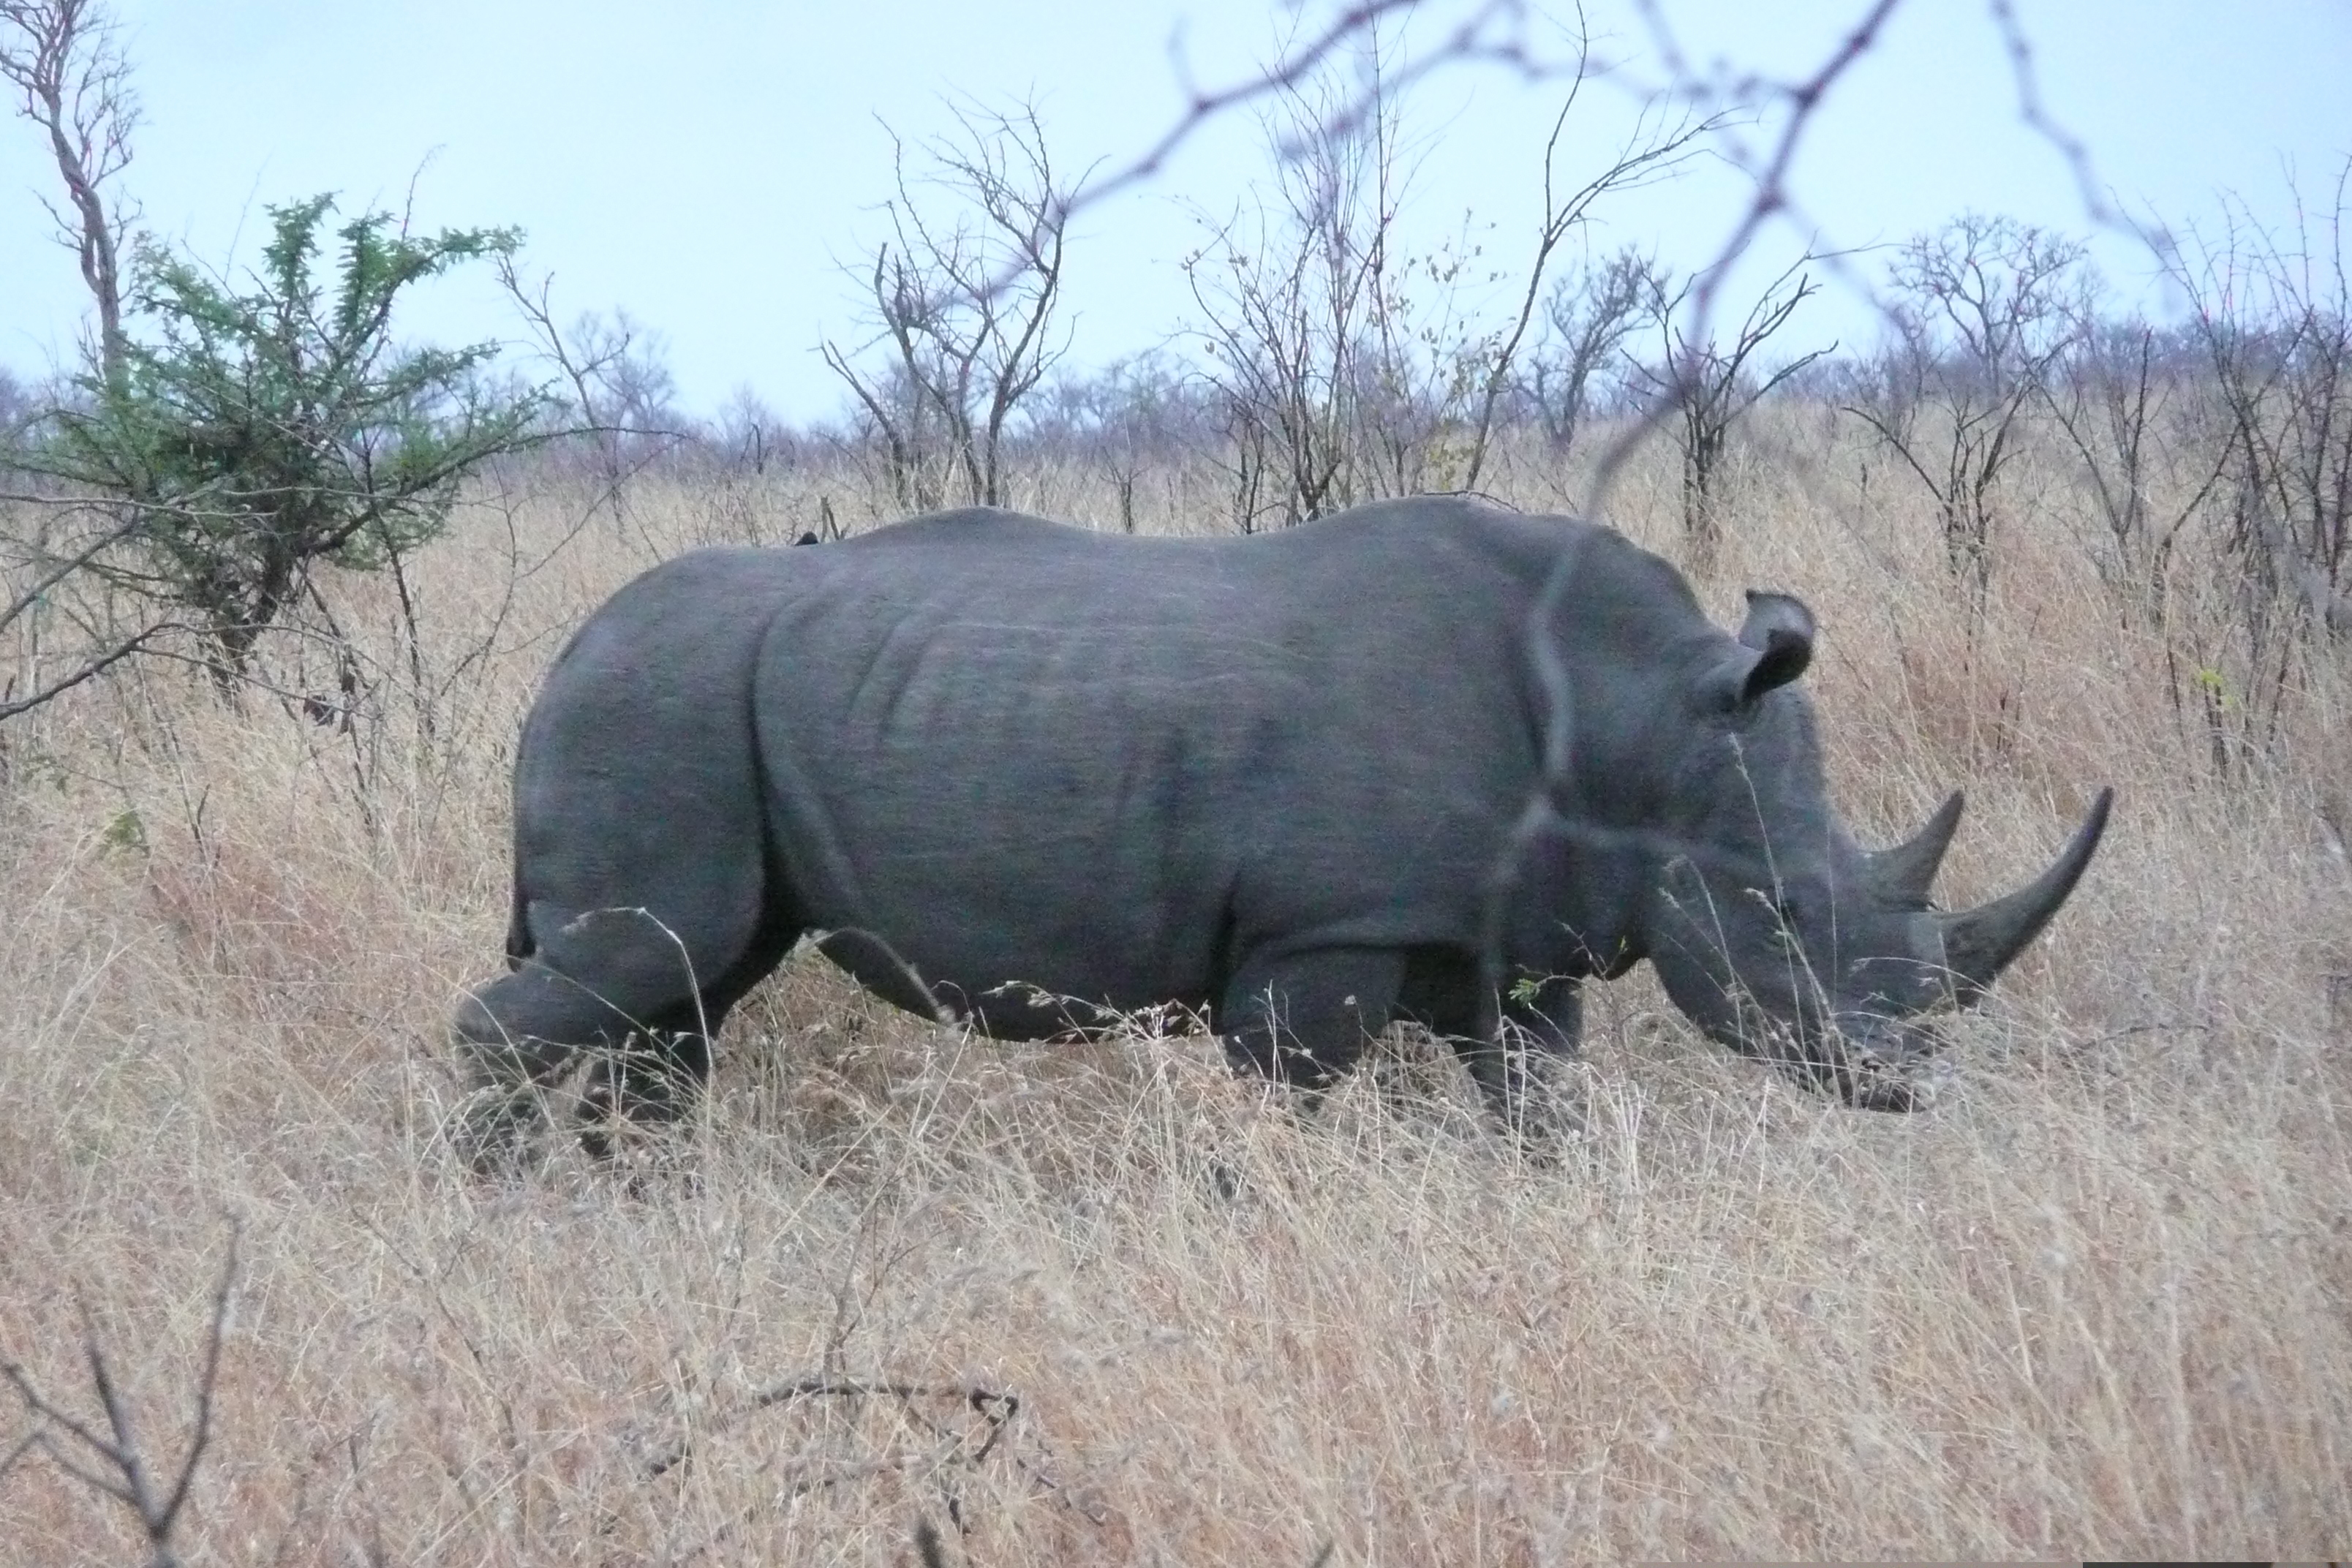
<point>1383,765</point>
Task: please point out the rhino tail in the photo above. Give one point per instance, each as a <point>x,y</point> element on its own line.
<point>520,944</point>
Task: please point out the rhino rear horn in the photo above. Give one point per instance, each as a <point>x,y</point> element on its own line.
<point>1979,942</point>
<point>1903,875</point>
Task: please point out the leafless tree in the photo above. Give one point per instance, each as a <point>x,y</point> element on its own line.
<point>2122,395</point>
<point>1710,383</point>
<point>962,305</point>
<point>1980,319</point>
<point>747,434</point>
<point>2274,320</point>
<point>2273,323</point>
<point>16,406</point>
<point>1143,415</point>
<point>73,81</point>
<point>612,388</point>
<point>1657,149</point>
<point>1289,299</point>
<point>1589,314</point>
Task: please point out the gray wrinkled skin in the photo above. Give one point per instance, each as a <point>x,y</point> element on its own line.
<point>1032,776</point>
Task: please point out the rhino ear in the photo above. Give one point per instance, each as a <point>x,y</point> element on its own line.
<point>1776,643</point>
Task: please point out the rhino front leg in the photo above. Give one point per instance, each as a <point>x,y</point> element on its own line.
<point>1550,1013</point>
<point>1517,1066</point>
<point>1542,1038</point>
<point>1303,1018</point>
<point>1513,1045</point>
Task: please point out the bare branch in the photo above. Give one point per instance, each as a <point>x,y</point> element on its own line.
<point>74,82</point>
<point>111,1462</point>
<point>1652,152</point>
<point>1982,319</point>
<point>1493,31</point>
<point>2070,147</point>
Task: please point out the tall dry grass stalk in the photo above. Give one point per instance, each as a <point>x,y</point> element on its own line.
<point>1105,1303</point>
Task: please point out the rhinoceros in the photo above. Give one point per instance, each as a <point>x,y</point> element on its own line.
<point>1425,759</point>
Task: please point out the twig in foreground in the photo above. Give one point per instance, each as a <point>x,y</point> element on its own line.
<point>111,1462</point>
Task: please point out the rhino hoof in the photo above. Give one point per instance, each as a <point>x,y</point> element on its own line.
<point>493,1130</point>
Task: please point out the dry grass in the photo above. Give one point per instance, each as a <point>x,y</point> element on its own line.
<point>1107,1304</point>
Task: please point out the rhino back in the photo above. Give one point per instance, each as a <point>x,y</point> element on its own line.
<point>1105,766</point>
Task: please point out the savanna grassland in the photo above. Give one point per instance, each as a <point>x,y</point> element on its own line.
<point>2096,1302</point>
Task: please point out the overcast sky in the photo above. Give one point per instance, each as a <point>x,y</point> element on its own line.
<point>707,165</point>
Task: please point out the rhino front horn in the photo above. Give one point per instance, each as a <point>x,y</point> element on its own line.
<point>1979,942</point>
<point>1905,874</point>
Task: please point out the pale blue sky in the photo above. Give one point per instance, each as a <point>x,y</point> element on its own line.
<point>704,164</point>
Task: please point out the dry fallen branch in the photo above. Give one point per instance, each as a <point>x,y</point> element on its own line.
<point>995,1409</point>
<point>111,1462</point>
<point>946,1446</point>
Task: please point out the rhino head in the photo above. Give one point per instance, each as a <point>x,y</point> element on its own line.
<point>1769,925</point>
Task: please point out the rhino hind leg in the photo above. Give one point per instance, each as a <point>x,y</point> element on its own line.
<point>650,1079</point>
<point>642,993</point>
<point>516,1037</point>
<point>656,1077</point>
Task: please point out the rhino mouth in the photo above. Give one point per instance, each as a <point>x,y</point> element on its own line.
<point>1876,1089</point>
<point>1865,1080</point>
<point>1870,1080</point>
<point>1866,1061</point>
